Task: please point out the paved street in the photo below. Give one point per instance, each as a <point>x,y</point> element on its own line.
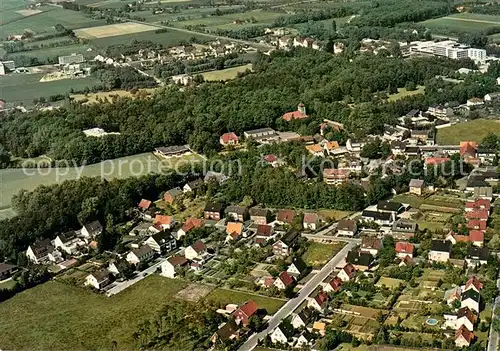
<point>292,304</point>
<point>493,337</point>
<point>140,276</point>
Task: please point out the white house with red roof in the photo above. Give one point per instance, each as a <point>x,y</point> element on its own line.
<point>333,285</point>
<point>476,237</point>
<point>166,222</point>
<point>229,139</point>
<point>144,205</point>
<point>476,224</point>
<point>196,250</point>
<point>474,284</point>
<point>283,281</point>
<point>318,301</point>
<point>244,312</point>
<point>347,273</point>
<point>481,215</point>
<point>190,224</point>
<point>311,221</point>
<point>404,249</point>
<point>463,337</point>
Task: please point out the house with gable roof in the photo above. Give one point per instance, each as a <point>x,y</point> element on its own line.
<point>197,250</point>
<point>243,313</point>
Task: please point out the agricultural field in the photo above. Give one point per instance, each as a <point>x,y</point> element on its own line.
<point>74,312</point>
<point>44,22</point>
<point>461,22</point>
<point>318,254</point>
<point>171,38</point>
<point>52,53</point>
<point>474,130</point>
<point>112,30</point>
<point>23,88</point>
<point>14,180</point>
<point>232,21</point>
<point>225,74</point>
<point>224,296</point>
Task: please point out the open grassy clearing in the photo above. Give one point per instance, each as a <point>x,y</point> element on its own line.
<point>61,316</point>
<point>112,30</point>
<point>171,38</point>
<point>7,213</point>
<point>14,180</point>
<point>224,296</point>
<point>23,88</point>
<point>225,74</point>
<point>7,284</point>
<point>333,214</point>
<point>44,22</point>
<point>474,130</point>
<point>462,22</point>
<point>110,95</point>
<point>318,254</point>
<point>403,92</point>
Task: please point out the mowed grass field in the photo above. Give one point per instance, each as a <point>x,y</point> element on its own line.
<point>44,22</point>
<point>112,30</point>
<point>402,92</point>
<point>461,22</point>
<point>56,316</point>
<point>224,297</point>
<point>23,88</point>
<point>170,38</point>
<point>225,74</point>
<point>474,130</point>
<point>14,180</point>
<point>318,254</point>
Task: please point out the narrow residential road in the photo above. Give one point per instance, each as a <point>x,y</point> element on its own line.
<point>493,337</point>
<point>140,276</point>
<point>292,304</point>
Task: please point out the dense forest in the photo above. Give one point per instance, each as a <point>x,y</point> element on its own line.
<point>328,85</point>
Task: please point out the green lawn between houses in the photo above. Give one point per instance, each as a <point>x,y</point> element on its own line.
<point>318,254</point>
<point>225,296</point>
<point>56,316</point>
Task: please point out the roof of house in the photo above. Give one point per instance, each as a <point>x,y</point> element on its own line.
<point>468,148</point>
<point>314,148</point>
<point>249,308</point>
<point>42,248</point>
<point>163,220</point>
<point>416,183</point>
<point>299,264</point>
<point>389,206</point>
<point>286,216</point>
<point>480,253</point>
<point>321,298</point>
<point>477,214</point>
<point>67,236</point>
<point>142,251</point>
<point>359,258</point>
<point>463,332</point>
<point>473,281</point>
<point>228,329</point>
<point>294,115</point>
<point>264,230</point>
<point>192,223</point>
<point>213,207</point>
<point>195,184</point>
<point>453,293</point>
<point>234,227</point>
<point>5,267</point>
<point>441,246</point>
<point>174,192</point>
<point>199,246</point>
<point>259,212</point>
<point>285,278</point>
<point>235,209</point>
<point>100,275</point>
<point>270,158</point>
<point>335,283</point>
<point>346,224</point>
<point>310,217</point>
<point>476,235</point>
<point>144,204</point>
<point>478,204</point>
<point>349,270</point>
<point>336,173</point>
<point>383,216</point>
<point>177,260</point>
<point>306,315</point>
<point>476,224</point>
<point>162,237</point>
<point>93,227</point>
<point>436,160</point>
<point>227,137</point>
<point>290,237</point>
<point>471,294</point>
<point>369,242</point>
<point>404,247</point>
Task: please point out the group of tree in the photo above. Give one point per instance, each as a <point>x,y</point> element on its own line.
<point>121,77</point>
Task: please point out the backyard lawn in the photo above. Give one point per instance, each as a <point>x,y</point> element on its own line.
<point>225,297</point>
<point>56,316</point>
<point>474,130</point>
<point>318,254</point>
<point>403,92</point>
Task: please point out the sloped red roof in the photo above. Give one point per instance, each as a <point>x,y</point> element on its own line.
<point>199,246</point>
<point>270,158</point>
<point>465,333</point>
<point>476,224</point>
<point>192,223</point>
<point>144,204</point>
<point>269,281</point>
<point>310,217</point>
<point>160,219</point>
<point>476,235</point>
<point>479,204</point>
<point>475,282</point>
<point>349,270</point>
<point>335,283</point>
<point>177,260</point>
<point>264,230</point>
<point>249,308</point>
<point>404,247</point>
<point>466,312</point>
<point>477,214</point>
<point>436,160</point>
<point>289,116</point>
<point>321,298</point>
<point>227,137</point>
<point>286,216</point>
<point>285,278</point>
<point>468,148</point>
